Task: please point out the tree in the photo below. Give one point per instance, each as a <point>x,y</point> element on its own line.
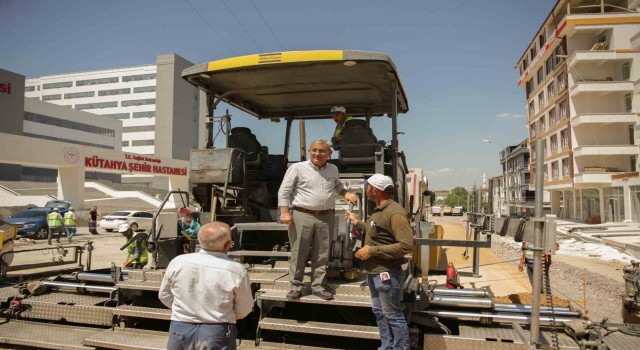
<point>457,198</point>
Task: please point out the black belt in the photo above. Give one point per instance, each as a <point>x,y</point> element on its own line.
<point>313,212</point>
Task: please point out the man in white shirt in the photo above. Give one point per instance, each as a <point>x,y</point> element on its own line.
<point>309,188</point>
<point>207,293</point>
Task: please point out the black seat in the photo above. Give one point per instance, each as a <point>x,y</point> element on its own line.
<point>242,138</point>
<point>358,145</point>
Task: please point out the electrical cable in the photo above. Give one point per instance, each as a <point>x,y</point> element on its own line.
<point>241,25</point>
<point>267,24</point>
<point>213,29</point>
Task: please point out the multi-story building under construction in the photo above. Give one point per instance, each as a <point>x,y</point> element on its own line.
<point>580,73</point>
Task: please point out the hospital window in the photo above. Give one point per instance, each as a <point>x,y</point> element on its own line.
<point>80,94</point>
<point>97,81</point>
<point>147,101</point>
<point>62,84</point>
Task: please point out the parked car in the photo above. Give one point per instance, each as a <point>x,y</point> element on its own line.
<point>33,222</point>
<point>436,210</point>
<point>447,210</point>
<point>457,211</point>
<point>137,220</point>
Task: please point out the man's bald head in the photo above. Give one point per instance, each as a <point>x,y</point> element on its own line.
<point>215,236</point>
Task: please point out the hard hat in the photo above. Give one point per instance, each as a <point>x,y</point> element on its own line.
<point>123,228</point>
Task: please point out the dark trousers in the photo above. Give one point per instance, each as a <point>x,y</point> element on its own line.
<point>201,336</point>
<point>53,230</point>
<point>92,227</point>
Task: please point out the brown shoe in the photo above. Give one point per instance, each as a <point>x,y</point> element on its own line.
<point>323,294</point>
<point>294,294</point>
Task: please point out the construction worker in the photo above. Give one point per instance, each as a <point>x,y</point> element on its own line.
<point>70,222</point>
<point>54,221</point>
<point>527,260</point>
<point>339,115</point>
<point>137,253</point>
<point>189,228</point>
<point>389,238</point>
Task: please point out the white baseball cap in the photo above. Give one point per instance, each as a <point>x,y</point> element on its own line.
<point>123,227</point>
<point>381,182</point>
<point>338,109</point>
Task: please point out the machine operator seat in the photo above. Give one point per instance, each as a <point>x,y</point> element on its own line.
<point>242,138</point>
<point>358,145</point>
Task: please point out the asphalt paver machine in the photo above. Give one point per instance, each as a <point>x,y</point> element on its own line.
<point>238,183</point>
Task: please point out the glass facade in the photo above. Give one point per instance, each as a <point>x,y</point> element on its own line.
<point>51,97</point>
<point>614,204</point>
<point>114,92</point>
<point>96,105</point>
<point>97,81</point>
<point>142,143</point>
<point>147,101</point>
<point>62,84</point>
<point>67,124</point>
<point>117,115</point>
<point>149,114</point>
<point>80,94</point>
<point>139,128</point>
<point>29,88</point>
<point>144,89</point>
<point>139,77</point>
<point>76,142</point>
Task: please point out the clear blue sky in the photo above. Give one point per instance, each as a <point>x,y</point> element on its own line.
<point>455,58</point>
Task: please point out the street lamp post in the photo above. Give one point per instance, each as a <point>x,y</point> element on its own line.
<point>506,177</point>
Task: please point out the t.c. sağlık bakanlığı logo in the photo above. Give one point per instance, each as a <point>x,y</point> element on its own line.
<point>71,155</point>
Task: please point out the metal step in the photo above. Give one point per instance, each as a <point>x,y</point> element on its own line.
<point>339,299</point>
<point>131,339</point>
<point>320,328</point>
<point>334,286</point>
<point>139,285</point>
<point>262,253</point>
<point>45,335</point>
<point>265,277</point>
<point>265,345</point>
<point>69,307</point>
<point>143,312</point>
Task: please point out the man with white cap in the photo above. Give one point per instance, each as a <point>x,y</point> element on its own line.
<point>389,238</point>
<point>137,253</point>
<point>339,115</point>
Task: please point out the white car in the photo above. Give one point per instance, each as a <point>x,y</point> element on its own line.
<point>137,220</point>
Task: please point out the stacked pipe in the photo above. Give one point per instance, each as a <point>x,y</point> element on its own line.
<point>485,309</point>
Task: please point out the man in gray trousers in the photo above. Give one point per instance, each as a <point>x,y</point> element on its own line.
<point>309,188</point>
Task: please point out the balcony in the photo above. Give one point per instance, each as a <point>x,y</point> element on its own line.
<point>592,178</point>
<point>598,57</point>
<point>603,118</point>
<point>601,87</point>
<point>602,150</point>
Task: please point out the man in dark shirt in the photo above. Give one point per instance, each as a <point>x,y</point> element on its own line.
<point>93,220</point>
<point>389,239</point>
